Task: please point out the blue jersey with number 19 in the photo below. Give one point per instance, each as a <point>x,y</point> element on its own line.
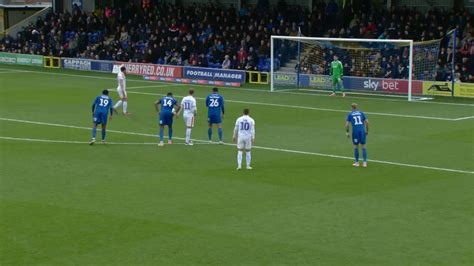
<point>102,104</point>
<point>357,119</point>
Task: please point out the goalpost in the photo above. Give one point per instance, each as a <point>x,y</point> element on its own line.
<point>375,66</point>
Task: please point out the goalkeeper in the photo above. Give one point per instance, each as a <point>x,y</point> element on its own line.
<point>336,76</point>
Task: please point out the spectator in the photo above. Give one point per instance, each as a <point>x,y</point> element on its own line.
<point>226,63</point>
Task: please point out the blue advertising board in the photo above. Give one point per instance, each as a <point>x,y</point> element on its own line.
<point>214,74</point>
<point>86,64</point>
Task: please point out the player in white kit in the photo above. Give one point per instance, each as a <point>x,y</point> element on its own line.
<point>121,90</point>
<point>190,110</point>
<point>244,134</point>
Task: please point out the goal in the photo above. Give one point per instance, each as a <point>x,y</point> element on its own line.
<point>374,66</point>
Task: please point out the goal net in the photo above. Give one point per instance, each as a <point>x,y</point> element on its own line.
<point>375,66</point>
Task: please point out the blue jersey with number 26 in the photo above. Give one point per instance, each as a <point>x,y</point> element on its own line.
<point>167,103</point>
<point>357,119</point>
<point>215,104</point>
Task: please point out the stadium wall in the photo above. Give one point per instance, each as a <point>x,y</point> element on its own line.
<point>168,73</point>
<point>21,59</point>
<point>235,78</point>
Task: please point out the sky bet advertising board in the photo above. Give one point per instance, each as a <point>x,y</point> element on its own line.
<point>350,83</point>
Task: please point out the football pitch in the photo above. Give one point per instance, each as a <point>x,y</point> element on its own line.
<point>130,202</point>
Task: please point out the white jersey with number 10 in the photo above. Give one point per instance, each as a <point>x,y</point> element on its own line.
<point>245,127</point>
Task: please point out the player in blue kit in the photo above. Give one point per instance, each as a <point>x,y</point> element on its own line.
<point>215,113</point>
<point>167,112</point>
<point>360,130</point>
<point>100,110</point>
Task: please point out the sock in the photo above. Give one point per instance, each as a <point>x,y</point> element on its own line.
<point>364,154</point>
<point>248,158</point>
<point>125,105</point>
<point>356,154</point>
<point>239,159</point>
<point>94,131</point>
<point>188,135</point>
<point>170,132</point>
<point>209,133</point>
<point>220,134</point>
<point>161,133</point>
<point>117,105</point>
<point>334,88</point>
<point>341,86</point>
<point>103,134</point>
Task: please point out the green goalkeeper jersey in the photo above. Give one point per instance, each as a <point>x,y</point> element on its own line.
<point>336,69</point>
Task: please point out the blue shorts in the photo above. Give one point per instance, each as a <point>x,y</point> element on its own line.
<point>358,137</point>
<point>100,118</point>
<point>214,119</point>
<point>166,119</point>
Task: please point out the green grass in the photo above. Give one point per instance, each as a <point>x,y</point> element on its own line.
<point>72,204</point>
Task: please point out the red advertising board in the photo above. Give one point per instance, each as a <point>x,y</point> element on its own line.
<point>150,69</point>
<point>401,86</point>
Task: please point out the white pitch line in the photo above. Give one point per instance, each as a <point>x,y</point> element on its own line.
<point>256,147</point>
<point>87,142</point>
<point>234,89</point>
<point>463,118</point>
<point>11,72</point>
<point>155,86</point>
<point>311,108</point>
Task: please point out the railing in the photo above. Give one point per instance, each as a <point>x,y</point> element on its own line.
<point>256,77</point>
<point>28,3</point>
<point>13,30</point>
<point>51,62</point>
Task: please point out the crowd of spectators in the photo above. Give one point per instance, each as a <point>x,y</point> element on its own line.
<point>224,37</point>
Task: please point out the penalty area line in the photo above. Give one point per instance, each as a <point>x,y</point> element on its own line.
<point>463,118</point>
<point>86,142</point>
<point>309,108</point>
<point>255,147</point>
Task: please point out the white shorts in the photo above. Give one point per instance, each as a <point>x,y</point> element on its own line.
<point>121,93</point>
<point>244,143</point>
<point>188,120</point>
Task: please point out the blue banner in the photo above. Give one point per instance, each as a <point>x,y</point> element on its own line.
<point>86,64</point>
<point>214,74</point>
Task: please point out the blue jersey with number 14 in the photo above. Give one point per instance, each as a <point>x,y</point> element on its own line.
<point>357,119</point>
<point>167,103</point>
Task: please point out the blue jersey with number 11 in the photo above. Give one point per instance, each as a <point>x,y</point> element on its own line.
<point>167,103</point>
<point>357,119</point>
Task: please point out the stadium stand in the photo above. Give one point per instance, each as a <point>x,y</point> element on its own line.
<point>203,35</point>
